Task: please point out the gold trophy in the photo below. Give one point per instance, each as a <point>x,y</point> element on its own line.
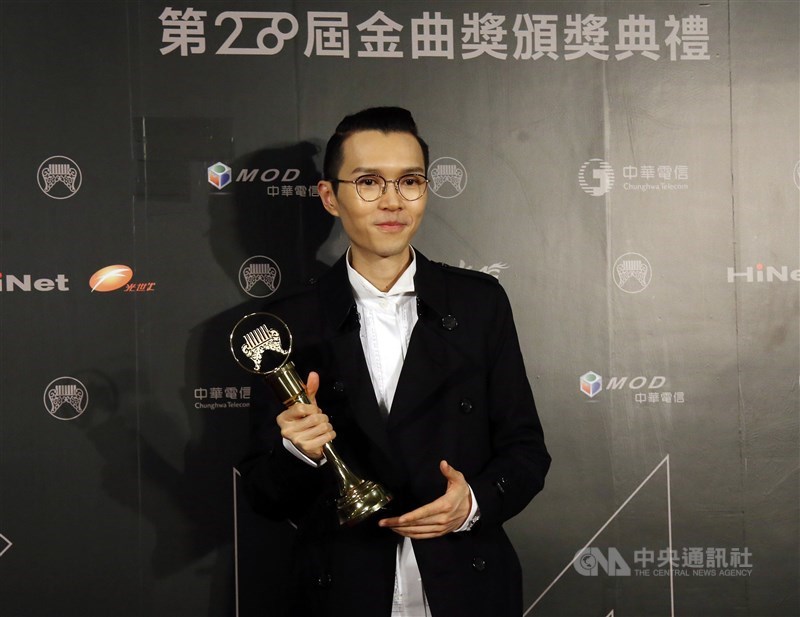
<point>261,344</point>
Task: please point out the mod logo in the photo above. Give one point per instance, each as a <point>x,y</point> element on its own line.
<point>591,384</point>
<point>219,175</point>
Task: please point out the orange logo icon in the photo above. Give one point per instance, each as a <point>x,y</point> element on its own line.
<point>110,278</point>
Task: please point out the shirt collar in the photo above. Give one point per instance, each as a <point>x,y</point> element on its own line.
<point>363,289</point>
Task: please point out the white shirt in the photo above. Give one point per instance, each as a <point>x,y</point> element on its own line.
<point>387,320</point>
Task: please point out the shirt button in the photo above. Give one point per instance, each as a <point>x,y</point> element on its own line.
<point>323,580</point>
<point>465,405</point>
<point>449,322</point>
<point>479,564</point>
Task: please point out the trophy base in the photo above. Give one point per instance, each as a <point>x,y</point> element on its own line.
<point>360,501</point>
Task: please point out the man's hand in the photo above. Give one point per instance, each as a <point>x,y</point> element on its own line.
<point>439,517</point>
<point>305,425</point>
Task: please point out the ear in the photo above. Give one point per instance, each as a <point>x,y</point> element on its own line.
<point>328,197</point>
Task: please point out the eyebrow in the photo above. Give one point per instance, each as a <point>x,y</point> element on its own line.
<point>376,171</point>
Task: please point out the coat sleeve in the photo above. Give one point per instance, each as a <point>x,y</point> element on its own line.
<point>277,483</point>
<point>516,471</point>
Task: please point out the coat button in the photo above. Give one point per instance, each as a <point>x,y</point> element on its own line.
<point>449,322</point>
<point>338,387</point>
<point>500,483</point>
<point>465,405</point>
<point>323,580</point>
<point>479,564</point>
<point>312,281</point>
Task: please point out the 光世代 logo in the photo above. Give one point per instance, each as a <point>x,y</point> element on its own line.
<point>65,398</point>
<point>110,278</point>
<point>259,276</point>
<point>59,177</point>
<point>448,177</point>
<point>601,172</point>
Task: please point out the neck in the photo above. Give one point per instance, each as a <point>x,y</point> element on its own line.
<point>382,272</point>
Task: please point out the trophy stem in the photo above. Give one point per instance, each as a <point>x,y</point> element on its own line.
<point>358,498</point>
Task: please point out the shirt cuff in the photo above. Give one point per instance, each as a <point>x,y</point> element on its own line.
<point>308,461</point>
<point>473,516</point>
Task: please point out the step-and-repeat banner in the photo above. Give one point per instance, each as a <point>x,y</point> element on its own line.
<point>627,169</point>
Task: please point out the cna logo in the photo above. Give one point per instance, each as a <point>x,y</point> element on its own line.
<point>10,283</point>
<point>59,177</point>
<point>65,398</point>
<point>596,177</point>
<point>110,278</point>
<point>448,177</point>
<point>493,270</point>
<point>763,274</point>
<point>797,175</point>
<point>259,276</point>
<point>632,273</point>
<point>589,562</point>
<point>591,383</point>
<point>219,175</point>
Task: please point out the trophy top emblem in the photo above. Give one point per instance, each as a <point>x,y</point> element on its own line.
<point>261,343</point>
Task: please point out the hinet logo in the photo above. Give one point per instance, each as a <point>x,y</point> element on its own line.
<point>763,274</point>
<point>10,283</point>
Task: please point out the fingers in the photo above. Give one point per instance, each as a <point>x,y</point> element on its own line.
<point>445,514</point>
<point>440,516</point>
<point>312,385</point>
<point>451,473</point>
<point>307,428</point>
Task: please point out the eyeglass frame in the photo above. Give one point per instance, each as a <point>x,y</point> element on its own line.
<point>386,182</point>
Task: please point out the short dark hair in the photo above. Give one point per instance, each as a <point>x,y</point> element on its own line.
<point>383,119</point>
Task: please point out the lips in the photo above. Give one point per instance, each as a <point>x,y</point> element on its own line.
<point>391,225</point>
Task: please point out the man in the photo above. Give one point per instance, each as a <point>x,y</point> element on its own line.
<point>417,366</point>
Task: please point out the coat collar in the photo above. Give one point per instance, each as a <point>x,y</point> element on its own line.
<point>339,307</point>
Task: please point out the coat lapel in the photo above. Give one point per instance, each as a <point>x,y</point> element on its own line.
<point>341,329</point>
<point>429,362</point>
<point>431,358</point>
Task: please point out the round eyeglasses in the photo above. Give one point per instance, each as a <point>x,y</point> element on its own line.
<point>372,186</point>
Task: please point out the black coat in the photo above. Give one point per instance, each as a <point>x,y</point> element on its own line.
<point>463,396</point>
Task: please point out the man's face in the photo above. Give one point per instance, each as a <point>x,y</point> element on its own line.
<point>384,227</point>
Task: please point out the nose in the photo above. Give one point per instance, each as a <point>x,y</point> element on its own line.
<point>391,198</point>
